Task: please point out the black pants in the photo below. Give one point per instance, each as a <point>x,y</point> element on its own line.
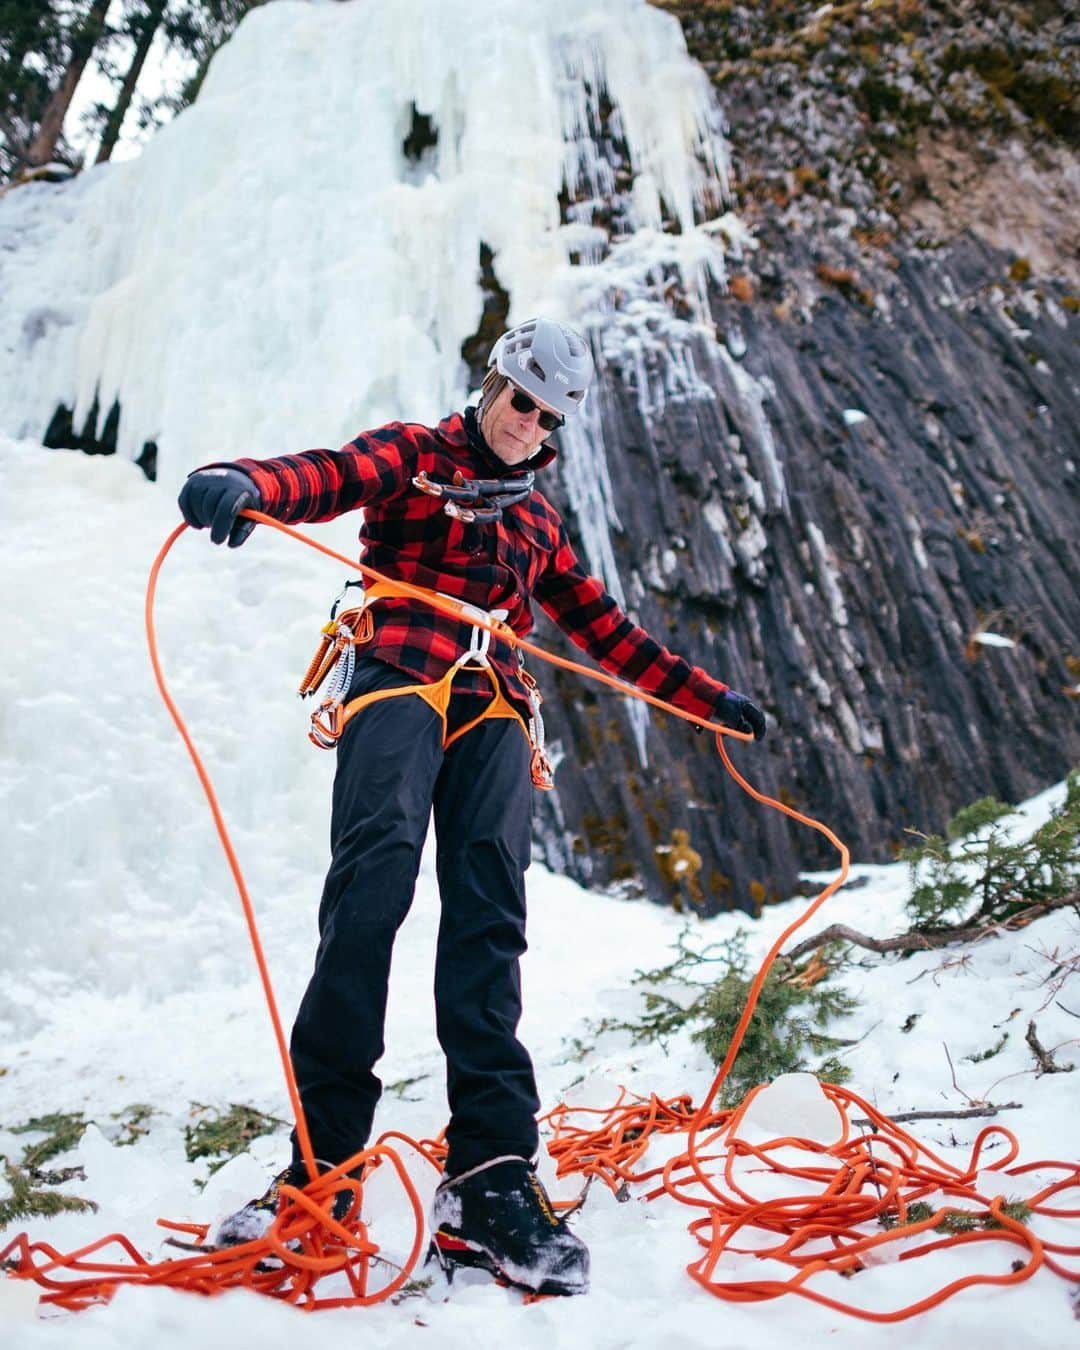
<point>391,771</point>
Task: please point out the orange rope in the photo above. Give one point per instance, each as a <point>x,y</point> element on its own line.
<point>821,1231</point>
<point>857,1186</point>
<point>816,1233</point>
<point>230,853</point>
<point>304,1244</point>
<point>496,629</point>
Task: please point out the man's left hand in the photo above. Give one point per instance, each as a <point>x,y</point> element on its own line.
<point>739,713</point>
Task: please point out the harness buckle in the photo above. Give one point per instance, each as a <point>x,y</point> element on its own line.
<point>479,638</point>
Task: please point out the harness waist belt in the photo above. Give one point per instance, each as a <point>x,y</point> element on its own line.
<point>352,627</point>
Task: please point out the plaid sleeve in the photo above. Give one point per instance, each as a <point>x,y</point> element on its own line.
<point>593,621</point>
<point>322,484</point>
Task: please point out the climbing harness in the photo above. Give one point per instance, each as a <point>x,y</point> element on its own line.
<point>334,663</point>
<point>477,499</point>
<point>872,1174</point>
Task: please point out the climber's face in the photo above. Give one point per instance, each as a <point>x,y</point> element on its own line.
<point>514,435</point>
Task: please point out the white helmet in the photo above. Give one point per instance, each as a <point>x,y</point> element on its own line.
<point>548,360</point>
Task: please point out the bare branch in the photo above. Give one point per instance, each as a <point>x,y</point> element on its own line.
<point>988,1110</point>
<point>956,1085</point>
<point>1044,1058</point>
<point>953,963</point>
<point>930,941</point>
<point>858,1040</point>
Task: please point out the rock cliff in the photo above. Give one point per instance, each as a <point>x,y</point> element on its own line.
<point>863,507</point>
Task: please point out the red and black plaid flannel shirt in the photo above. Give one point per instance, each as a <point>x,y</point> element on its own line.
<point>500,565</point>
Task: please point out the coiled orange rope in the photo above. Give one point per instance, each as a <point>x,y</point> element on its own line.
<point>878,1175</point>
<point>306,1245</point>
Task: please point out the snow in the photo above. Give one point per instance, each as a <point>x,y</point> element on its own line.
<point>126,977</point>
<point>918,547</point>
<point>792,1104</point>
<point>753,394</point>
<point>828,574</point>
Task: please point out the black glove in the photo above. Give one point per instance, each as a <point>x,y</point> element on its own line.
<point>215,497</point>
<point>736,711</point>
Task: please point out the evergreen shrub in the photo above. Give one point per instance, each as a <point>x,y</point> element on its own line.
<point>977,874</point>
<point>787,1032</point>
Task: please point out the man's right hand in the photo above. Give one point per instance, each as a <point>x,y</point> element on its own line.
<point>215,498</point>
<point>737,711</point>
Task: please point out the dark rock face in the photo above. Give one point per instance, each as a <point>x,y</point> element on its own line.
<point>866,592</point>
<point>926,115</point>
<point>864,512</point>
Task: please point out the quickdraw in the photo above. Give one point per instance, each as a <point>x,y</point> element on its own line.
<point>335,657</point>
<point>352,626</point>
<point>477,499</point>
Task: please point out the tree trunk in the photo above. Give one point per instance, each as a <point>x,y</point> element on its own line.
<point>43,146</point>
<point>150,25</point>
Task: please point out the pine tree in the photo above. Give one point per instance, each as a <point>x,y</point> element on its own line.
<point>142,24</point>
<point>979,874</point>
<point>85,34</point>
<point>31,59</point>
<point>194,30</point>
<point>46,45</point>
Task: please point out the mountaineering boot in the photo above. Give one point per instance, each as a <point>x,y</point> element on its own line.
<point>253,1221</point>
<point>498,1217</point>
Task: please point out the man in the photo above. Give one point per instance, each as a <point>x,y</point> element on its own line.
<point>451,509</point>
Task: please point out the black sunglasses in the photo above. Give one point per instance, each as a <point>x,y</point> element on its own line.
<point>522,403</point>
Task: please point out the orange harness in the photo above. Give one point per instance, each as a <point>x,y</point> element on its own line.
<point>335,659</point>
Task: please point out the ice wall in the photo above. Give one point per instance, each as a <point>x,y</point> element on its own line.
<point>276,272</point>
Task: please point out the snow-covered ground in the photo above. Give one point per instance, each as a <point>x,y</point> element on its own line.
<point>125,975</point>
